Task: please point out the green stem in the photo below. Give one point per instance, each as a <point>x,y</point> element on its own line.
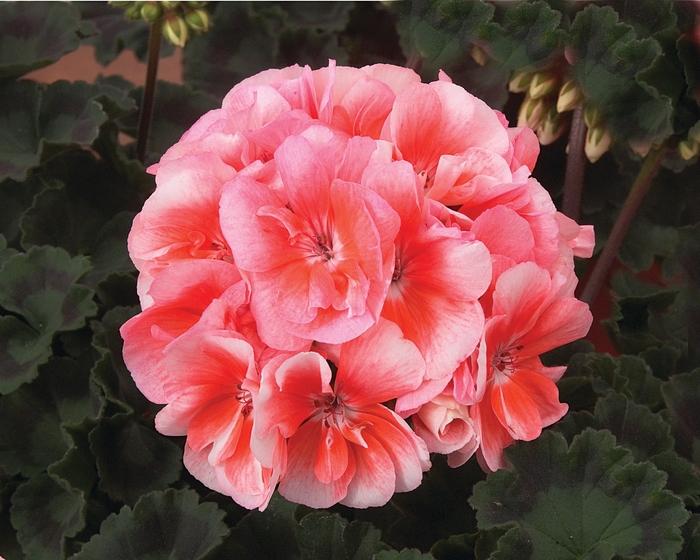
<point>629,210</point>
<point>154,39</point>
<point>575,166</point>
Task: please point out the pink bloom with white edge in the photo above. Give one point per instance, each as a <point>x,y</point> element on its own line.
<point>516,395</point>
<point>342,445</point>
<point>342,270</point>
<point>437,280</point>
<point>212,380</point>
<point>319,253</point>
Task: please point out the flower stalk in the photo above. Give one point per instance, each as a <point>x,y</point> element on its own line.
<point>575,166</point>
<point>629,210</point>
<point>146,115</point>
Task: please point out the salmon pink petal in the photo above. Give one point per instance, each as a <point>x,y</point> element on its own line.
<point>181,292</point>
<point>526,148</point>
<point>477,170</point>
<point>258,243</point>
<point>300,483</point>
<point>243,477</point>
<point>543,392</point>
<point>180,219</point>
<point>397,78</point>
<point>374,481</point>
<point>433,297</point>
<point>444,425</point>
<point>493,436</point>
<point>383,355</point>
<point>565,320</point>
<point>521,293</point>
<point>288,389</point>
<point>363,110</point>
<point>331,455</point>
<point>399,186</point>
<point>515,410</point>
<point>414,123</point>
<point>306,179</point>
<point>505,233</point>
<point>408,453</point>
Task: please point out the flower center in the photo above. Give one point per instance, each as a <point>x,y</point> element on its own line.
<point>330,409</point>
<point>398,269</point>
<point>244,397</point>
<point>322,248</point>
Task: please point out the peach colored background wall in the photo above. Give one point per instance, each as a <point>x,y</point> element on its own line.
<point>81,65</point>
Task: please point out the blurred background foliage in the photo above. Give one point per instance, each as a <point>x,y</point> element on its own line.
<point>84,475</point>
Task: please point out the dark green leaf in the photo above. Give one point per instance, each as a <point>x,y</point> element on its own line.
<point>167,524</point>
<point>33,35</point>
<point>404,554</point>
<point>440,33</point>
<point>455,547</point>
<point>109,371</point>
<point>126,452</point>
<point>608,60</point>
<point>682,397</point>
<point>527,38</point>
<point>436,509</point>
<point>41,286</point>
<point>603,503</point>
<point>33,416</point>
<point>45,512</point>
<point>34,116</point>
<point>322,536</point>
<point>269,534</point>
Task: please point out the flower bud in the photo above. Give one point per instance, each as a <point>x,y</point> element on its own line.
<point>519,82</point>
<point>598,142</point>
<point>531,112</point>
<point>478,55</point>
<point>150,11</point>
<point>175,31</point>
<point>640,147</point>
<point>551,128</point>
<point>591,116</point>
<point>168,5</point>
<point>541,84</point>
<point>688,149</point>
<point>133,11</point>
<point>570,97</point>
<point>197,20</point>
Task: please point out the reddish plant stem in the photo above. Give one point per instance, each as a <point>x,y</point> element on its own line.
<point>629,210</point>
<point>575,166</point>
<point>146,115</point>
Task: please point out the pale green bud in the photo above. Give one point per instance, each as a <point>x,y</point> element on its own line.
<point>570,97</point>
<point>542,83</point>
<point>197,20</point>
<point>598,142</point>
<point>175,31</point>
<point>520,82</point>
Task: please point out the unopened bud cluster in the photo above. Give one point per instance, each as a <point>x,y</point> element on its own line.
<point>548,97</point>
<point>180,19</point>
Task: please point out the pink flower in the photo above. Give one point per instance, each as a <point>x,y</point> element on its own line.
<point>211,383</point>
<point>430,121</point>
<point>180,295</point>
<point>446,427</point>
<point>180,220</point>
<point>517,397</point>
<point>342,445</point>
<point>437,280</point>
<point>319,253</point>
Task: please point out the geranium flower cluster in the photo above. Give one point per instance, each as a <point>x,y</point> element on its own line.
<point>341,271</point>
